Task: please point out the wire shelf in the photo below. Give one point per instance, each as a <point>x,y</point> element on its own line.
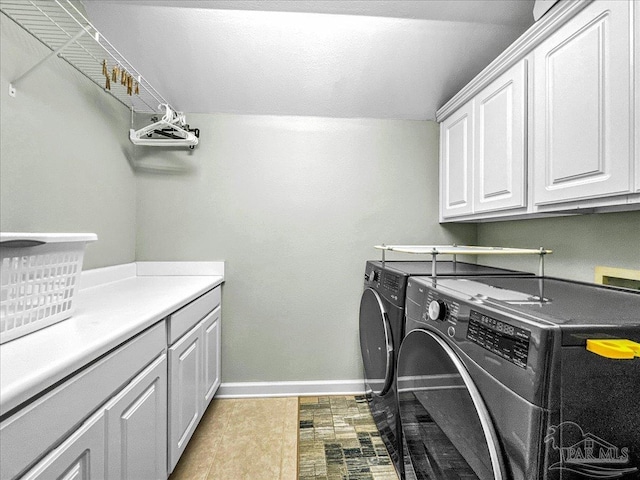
<point>56,22</point>
<point>435,250</point>
<point>462,250</point>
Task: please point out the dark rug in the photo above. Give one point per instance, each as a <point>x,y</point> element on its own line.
<point>338,440</point>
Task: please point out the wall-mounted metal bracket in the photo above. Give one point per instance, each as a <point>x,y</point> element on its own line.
<point>55,53</point>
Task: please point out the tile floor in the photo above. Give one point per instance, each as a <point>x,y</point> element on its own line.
<point>328,438</point>
<point>243,439</point>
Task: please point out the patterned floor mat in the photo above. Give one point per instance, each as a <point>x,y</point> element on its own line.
<point>338,440</point>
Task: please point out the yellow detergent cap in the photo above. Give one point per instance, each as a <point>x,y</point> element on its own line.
<point>614,348</point>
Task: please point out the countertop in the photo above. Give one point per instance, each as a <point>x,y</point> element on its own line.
<point>105,316</point>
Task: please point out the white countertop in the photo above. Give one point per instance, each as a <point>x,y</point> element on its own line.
<point>106,315</point>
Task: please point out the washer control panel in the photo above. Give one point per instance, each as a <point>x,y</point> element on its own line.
<point>501,338</point>
<point>439,310</point>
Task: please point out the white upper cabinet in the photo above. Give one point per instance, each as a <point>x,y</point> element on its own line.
<point>456,152</point>
<point>552,124</point>
<point>500,142</point>
<point>483,149</point>
<point>636,36</point>
<point>581,114</point>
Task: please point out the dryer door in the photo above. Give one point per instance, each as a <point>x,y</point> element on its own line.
<point>446,426</point>
<point>376,343</point>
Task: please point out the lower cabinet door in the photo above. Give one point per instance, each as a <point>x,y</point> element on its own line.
<point>185,391</point>
<point>136,422</point>
<point>80,457</point>
<point>211,351</point>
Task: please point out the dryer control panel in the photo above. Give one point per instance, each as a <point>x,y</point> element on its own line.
<point>507,341</point>
<point>390,285</point>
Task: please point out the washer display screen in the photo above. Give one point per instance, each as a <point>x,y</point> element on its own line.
<point>501,338</point>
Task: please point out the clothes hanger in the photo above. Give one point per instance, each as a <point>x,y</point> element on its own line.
<point>169,131</point>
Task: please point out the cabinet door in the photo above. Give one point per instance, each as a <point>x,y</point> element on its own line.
<point>211,357</point>
<point>35,429</point>
<point>500,142</point>
<point>136,421</point>
<point>80,457</point>
<point>636,36</point>
<point>185,391</point>
<point>581,106</point>
<point>456,152</point>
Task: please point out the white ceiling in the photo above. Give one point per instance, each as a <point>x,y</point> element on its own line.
<point>379,59</point>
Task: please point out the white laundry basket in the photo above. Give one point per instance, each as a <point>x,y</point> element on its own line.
<point>38,278</point>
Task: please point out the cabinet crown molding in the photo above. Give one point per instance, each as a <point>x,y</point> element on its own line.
<point>538,32</point>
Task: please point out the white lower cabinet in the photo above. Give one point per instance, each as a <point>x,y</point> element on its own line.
<point>136,421</point>
<point>126,439</point>
<point>185,364</point>
<point>194,371</point>
<point>129,414</point>
<point>42,427</point>
<point>211,351</point>
<point>80,457</point>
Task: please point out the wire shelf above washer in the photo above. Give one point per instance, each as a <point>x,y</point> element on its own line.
<point>435,250</point>
<point>65,30</point>
<point>462,250</point>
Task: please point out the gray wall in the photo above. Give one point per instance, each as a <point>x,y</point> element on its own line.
<point>294,205</point>
<point>580,243</point>
<point>63,153</point>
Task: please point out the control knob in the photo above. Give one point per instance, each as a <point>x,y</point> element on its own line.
<point>437,310</point>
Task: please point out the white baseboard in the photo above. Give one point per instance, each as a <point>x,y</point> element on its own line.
<point>290,389</point>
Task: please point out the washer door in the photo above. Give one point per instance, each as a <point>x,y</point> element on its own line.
<point>376,343</point>
<point>446,426</point>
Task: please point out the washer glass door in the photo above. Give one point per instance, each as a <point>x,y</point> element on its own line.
<point>446,427</point>
<point>376,343</point>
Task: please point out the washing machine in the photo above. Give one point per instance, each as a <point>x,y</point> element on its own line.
<point>520,378</point>
<point>382,329</point>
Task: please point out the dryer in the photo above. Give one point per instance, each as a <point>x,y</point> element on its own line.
<point>382,329</point>
<point>520,378</point>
